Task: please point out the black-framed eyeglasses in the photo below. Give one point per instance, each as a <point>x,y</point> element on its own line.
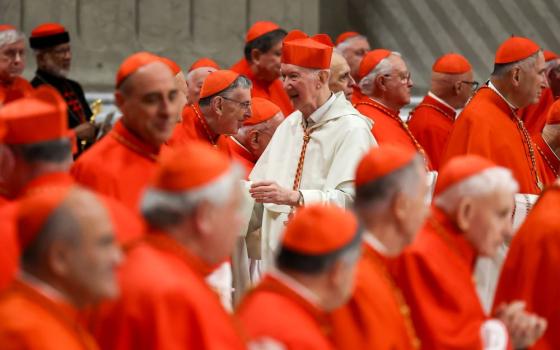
<point>245,105</point>
<point>474,84</point>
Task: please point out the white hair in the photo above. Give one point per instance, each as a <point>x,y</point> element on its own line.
<point>367,84</point>
<point>10,36</point>
<point>162,209</point>
<point>346,43</point>
<point>484,183</point>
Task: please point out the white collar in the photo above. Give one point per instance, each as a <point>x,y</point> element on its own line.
<point>493,87</point>
<point>316,116</point>
<point>43,287</point>
<point>296,286</point>
<point>239,143</point>
<point>432,95</point>
<point>374,243</point>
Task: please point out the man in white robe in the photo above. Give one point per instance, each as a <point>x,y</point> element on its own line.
<point>292,171</point>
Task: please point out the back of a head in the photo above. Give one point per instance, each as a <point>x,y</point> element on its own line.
<point>452,79</point>
<point>67,241</point>
<point>320,245</point>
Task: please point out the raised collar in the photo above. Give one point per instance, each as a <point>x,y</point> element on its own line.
<point>47,182</point>
<point>442,102</point>
<point>163,242</point>
<point>132,142</point>
<point>242,151</point>
<point>495,89</point>
<point>374,243</point>
<point>296,287</point>
<point>452,236</point>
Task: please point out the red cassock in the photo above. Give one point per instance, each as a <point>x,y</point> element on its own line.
<point>435,275</point>
<point>127,225</point>
<point>9,253</point>
<point>30,320</point>
<point>488,127</point>
<point>17,89</point>
<point>550,164</point>
<point>530,272</point>
<point>534,116</point>
<point>242,155</point>
<point>165,303</point>
<point>194,127</point>
<point>431,123</point>
<point>275,311</point>
<point>388,128</point>
<point>119,166</point>
<point>376,317</point>
<point>273,91</point>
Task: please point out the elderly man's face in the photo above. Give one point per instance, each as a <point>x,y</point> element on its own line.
<point>224,223</point>
<point>532,81</point>
<point>149,102</point>
<point>341,80</point>
<point>268,63</point>
<point>302,85</point>
<point>489,223</point>
<point>93,259</point>
<point>234,109</point>
<point>263,136</point>
<point>398,82</point>
<point>354,53</point>
<point>12,61</point>
<point>195,80</point>
<point>57,60</point>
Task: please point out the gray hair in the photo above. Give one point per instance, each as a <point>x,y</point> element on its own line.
<point>501,70</point>
<point>54,151</point>
<point>164,209</point>
<point>484,183</point>
<point>241,81</point>
<point>10,36</point>
<point>367,83</point>
<point>346,43</point>
<point>377,195</point>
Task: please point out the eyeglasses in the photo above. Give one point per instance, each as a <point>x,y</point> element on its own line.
<point>474,84</point>
<point>403,77</point>
<point>245,105</point>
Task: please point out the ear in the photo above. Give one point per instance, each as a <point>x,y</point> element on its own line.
<point>58,259</point>
<point>119,99</point>
<point>324,76</point>
<point>255,55</point>
<point>253,140</point>
<point>516,76</point>
<point>217,104</point>
<point>201,219</point>
<point>380,82</point>
<point>336,273</point>
<point>399,206</point>
<point>464,214</point>
<point>457,88</point>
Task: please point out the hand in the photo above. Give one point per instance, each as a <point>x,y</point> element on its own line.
<point>86,131</point>
<point>271,192</point>
<point>523,327</point>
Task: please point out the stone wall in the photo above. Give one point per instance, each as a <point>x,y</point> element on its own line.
<point>104,32</point>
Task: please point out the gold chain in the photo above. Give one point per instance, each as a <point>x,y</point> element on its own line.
<point>205,126</point>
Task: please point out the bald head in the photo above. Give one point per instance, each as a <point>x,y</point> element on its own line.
<point>256,137</point>
<point>75,250</point>
<point>340,78</point>
<point>195,78</point>
<point>454,89</point>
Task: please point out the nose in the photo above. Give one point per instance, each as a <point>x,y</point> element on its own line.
<point>118,255</point>
<point>352,82</point>
<point>410,82</point>
<point>20,56</point>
